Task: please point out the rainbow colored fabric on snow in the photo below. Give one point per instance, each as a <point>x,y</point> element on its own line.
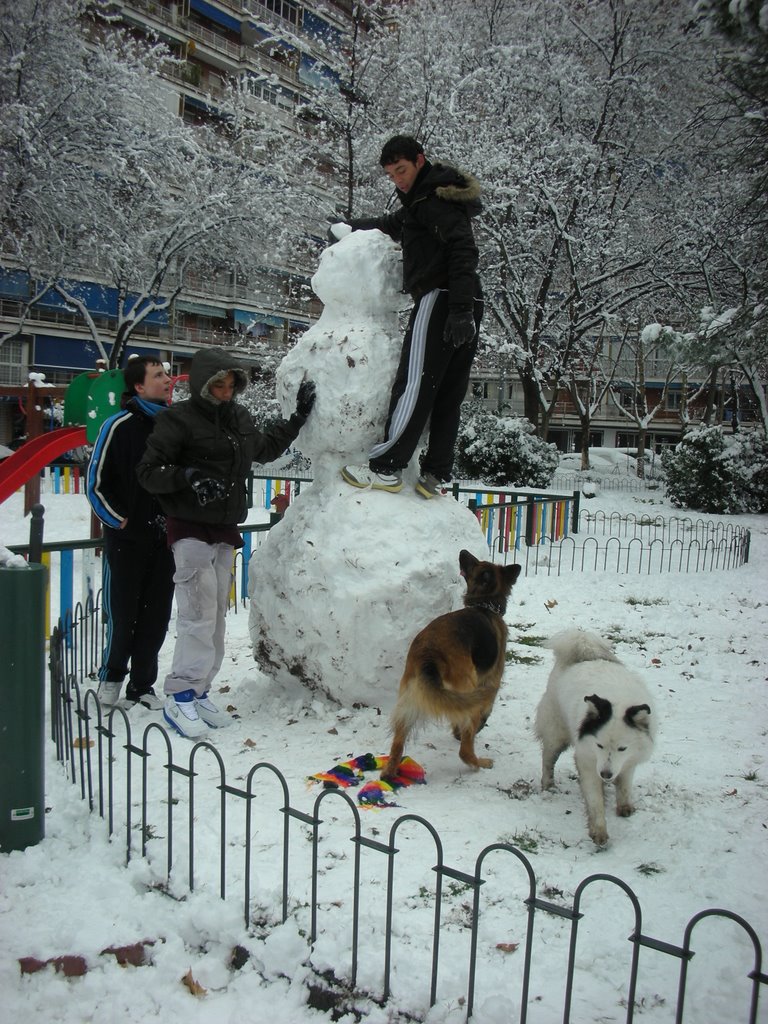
<point>375,792</point>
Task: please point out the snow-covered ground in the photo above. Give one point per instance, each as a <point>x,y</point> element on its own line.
<point>697,840</point>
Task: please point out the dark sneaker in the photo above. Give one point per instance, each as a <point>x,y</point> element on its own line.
<point>429,486</point>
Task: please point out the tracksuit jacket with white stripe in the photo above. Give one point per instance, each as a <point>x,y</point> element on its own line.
<point>433,226</point>
<point>137,578</point>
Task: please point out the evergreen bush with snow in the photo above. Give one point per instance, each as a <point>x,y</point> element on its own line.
<point>711,473</point>
<point>504,450</point>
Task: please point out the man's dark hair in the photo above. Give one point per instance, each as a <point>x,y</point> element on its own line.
<point>134,373</point>
<point>401,147</point>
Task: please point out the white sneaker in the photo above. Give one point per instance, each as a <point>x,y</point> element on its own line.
<point>357,476</point>
<point>180,712</point>
<point>148,700</point>
<point>387,481</point>
<point>212,715</point>
<point>362,476</point>
<point>108,693</point>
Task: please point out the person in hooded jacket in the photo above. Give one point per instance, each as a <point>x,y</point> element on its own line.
<point>197,464</point>
<point>137,584</point>
<point>434,227</point>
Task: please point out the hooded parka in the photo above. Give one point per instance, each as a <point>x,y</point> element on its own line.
<point>219,439</point>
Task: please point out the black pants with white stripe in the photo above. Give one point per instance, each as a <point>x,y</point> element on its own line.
<point>137,598</point>
<point>430,384</point>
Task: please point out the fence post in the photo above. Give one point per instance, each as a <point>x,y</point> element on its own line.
<point>530,520</point>
<point>36,534</point>
<point>22,732</point>
<point>575,511</point>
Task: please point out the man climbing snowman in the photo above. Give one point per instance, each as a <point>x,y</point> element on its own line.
<point>434,227</point>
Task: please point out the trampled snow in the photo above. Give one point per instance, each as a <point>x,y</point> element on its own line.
<point>697,839</point>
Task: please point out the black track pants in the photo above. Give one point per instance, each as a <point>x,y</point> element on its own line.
<point>430,384</point>
<point>137,596</point>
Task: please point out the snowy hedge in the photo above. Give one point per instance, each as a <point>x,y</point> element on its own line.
<point>711,473</point>
<point>503,450</point>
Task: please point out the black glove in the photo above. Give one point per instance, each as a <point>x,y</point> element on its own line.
<point>460,329</point>
<point>305,398</point>
<point>206,488</point>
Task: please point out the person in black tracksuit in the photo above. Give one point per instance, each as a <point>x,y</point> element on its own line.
<point>137,584</point>
<point>440,260</point>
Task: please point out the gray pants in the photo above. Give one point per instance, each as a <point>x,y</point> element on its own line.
<point>203,581</point>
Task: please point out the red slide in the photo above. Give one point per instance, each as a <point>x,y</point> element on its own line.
<point>34,455</point>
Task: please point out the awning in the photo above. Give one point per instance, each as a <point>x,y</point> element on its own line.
<point>201,309</point>
<point>63,353</point>
<point>209,11</point>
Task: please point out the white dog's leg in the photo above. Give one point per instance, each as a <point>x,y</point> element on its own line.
<point>549,756</point>
<point>624,806</point>
<point>594,798</point>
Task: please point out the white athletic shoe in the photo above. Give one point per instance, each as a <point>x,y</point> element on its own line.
<point>212,715</point>
<point>362,476</point>
<point>180,712</point>
<point>108,693</point>
<point>148,700</point>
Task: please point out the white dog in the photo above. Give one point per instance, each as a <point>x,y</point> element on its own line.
<point>603,710</point>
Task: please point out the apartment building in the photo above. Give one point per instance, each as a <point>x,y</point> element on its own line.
<point>215,40</point>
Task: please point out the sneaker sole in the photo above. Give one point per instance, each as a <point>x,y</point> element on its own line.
<point>392,488</point>
<point>425,493</point>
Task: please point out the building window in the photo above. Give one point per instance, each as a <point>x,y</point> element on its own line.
<point>674,400</point>
<point>480,389</point>
<point>283,9</point>
<point>11,369</point>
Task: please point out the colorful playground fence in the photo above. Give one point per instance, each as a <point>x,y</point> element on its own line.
<point>509,518</point>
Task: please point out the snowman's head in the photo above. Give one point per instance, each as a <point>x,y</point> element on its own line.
<point>361,275</point>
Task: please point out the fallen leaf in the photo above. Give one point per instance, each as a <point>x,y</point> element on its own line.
<point>508,947</point>
<point>550,604</point>
<point>135,954</point>
<point>194,987</point>
<point>655,661</point>
<point>731,792</point>
<point>70,966</point>
<point>81,744</point>
<point>333,732</point>
<point>249,743</point>
<point>223,689</point>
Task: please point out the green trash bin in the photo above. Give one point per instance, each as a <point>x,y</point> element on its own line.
<point>22,725</point>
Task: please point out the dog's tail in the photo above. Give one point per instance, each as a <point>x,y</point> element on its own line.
<point>576,645</point>
<point>442,699</point>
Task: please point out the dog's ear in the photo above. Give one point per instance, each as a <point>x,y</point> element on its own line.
<point>599,711</point>
<point>511,572</point>
<point>467,561</point>
<point>637,716</point>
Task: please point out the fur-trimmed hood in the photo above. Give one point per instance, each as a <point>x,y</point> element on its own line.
<point>210,365</point>
<point>448,183</point>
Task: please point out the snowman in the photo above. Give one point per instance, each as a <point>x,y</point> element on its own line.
<point>347,578</point>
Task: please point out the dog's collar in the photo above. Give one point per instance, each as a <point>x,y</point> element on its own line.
<point>487,606</point>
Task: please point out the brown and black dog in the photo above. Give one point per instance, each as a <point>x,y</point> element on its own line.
<point>454,665</point>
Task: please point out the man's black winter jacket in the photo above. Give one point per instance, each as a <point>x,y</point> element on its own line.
<point>434,227</point>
